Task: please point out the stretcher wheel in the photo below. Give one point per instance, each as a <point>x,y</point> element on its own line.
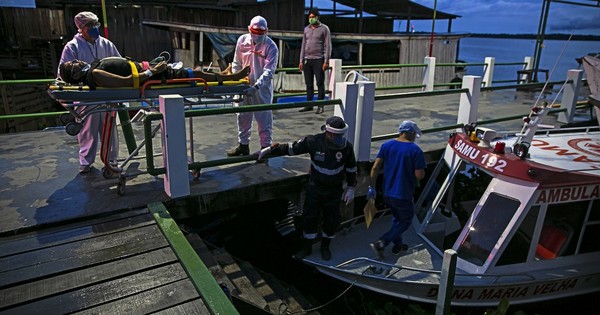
<point>73,128</point>
<point>106,173</point>
<point>66,118</point>
<point>121,186</point>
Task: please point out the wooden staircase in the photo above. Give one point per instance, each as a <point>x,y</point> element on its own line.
<point>244,282</point>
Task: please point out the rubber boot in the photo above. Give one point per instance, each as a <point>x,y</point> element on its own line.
<point>325,252</point>
<point>241,149</point>
<point>305,250</point>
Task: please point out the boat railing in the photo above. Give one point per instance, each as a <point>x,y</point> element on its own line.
<point>374,264</point>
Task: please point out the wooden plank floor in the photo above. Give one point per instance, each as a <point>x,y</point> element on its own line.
<point>120,263</point>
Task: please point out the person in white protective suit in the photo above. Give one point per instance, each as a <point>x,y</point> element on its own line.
<point>87,45</point>
<point>258,51</point>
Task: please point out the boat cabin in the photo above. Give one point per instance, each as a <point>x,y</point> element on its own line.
<point>497,210</point>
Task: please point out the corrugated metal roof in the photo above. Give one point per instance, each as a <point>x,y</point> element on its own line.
<point>399,9</point>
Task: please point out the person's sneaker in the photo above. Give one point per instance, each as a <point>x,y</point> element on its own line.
<point>84,169</point>
<point>378,248</point>
<point>241,149</point>
<point>306,109</point>
<point>397,249</point>
<point>319,110</point>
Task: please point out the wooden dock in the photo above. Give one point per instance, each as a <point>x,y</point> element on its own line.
<point>120,263</point>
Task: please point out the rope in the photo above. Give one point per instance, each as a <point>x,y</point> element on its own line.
<point>302,311</point>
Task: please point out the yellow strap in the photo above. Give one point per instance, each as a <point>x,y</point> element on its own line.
<point>134,74</point>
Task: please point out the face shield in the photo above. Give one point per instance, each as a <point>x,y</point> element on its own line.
<point>336,137</point>
<point>258,29</point>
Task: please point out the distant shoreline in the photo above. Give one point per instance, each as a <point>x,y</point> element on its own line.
<point>534,36</point>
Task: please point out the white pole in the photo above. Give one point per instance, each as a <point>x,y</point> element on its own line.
<point>488,75</point>
<point>569,98</point>
<point>335,75</point>
<point>469,102</point>
<point>364,121</point>
<point>176,179</point>
<point>528,66</point>
<point>446,283</point>
<point>429,75</point>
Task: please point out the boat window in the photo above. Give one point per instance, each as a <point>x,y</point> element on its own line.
<point>518,247</point>
<point>561,228</point>
<point>589,240</point>
<point>455,207</point>
<point>488,226</point>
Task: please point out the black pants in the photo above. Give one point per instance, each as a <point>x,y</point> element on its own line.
<point>313,68</point>
<point>321,202</point>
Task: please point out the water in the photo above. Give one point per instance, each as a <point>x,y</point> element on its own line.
<point>475,49</point>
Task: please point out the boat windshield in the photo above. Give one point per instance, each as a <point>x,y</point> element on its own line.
<point>490,223</point>
<point>454,196</point>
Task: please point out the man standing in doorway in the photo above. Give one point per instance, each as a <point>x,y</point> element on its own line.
<point>314,57</point>
<point>258,51</point>
<point>87,45</point>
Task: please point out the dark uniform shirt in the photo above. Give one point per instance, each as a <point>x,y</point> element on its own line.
<point>329,166</point>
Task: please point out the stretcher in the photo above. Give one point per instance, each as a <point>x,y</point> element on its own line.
<point>81,101</point>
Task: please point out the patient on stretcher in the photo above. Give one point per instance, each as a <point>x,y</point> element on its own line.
<point>112,72</point>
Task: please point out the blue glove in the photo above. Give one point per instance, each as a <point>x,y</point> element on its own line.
<point>250,91</point>
<point>371,194</point>
<point>348,195</point>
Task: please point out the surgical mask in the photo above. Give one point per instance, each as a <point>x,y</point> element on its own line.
<point>313,20</point>
<point>94,33</point>
<point>257,39</point>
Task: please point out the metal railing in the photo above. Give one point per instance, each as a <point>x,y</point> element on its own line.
<point>152,170</point>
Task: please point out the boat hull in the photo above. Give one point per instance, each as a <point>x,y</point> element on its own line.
<point>482,295</point>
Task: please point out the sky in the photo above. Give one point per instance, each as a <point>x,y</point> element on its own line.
<point>504,16</point>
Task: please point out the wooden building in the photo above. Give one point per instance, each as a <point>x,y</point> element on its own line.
<point>31,39</point>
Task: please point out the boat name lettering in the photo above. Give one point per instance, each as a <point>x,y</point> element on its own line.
<point>555,286</point>
<point>487,160</point>
<point>492,294</point>
<point>509,292</point>
<point>563,194</point>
